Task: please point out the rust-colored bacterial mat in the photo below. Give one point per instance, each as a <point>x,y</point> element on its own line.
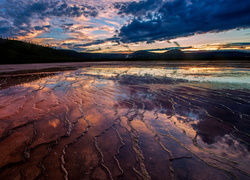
<point>126,122</point>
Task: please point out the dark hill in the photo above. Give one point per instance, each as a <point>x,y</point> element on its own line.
<point>15,52</point>
<point>218,55</point>
<point>144,55</point>
<point>173,54</point>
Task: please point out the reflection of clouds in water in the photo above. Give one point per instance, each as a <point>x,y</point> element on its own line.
<point>209,121</point>
<point>209,129</point>
<point>131,110</point>
<point>23,79</point>
<point>227,146</point>
<point>234,147</point>
<point>202,74</point>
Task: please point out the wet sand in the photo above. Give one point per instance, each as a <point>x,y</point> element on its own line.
<point>129,121</point>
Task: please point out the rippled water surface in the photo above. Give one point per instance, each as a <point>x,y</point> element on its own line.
<point>126,121</point>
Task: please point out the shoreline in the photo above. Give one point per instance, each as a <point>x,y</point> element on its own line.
<point>51,67</point>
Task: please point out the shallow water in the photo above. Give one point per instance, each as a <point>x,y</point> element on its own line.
<point>126,121</point>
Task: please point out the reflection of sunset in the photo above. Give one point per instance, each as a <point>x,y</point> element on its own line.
<point>126,122</point>
<point>54,123</point>
<point>190,73</point>
<point>206,69</point>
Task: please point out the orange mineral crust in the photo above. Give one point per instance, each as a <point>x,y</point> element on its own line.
<point>126,121</point>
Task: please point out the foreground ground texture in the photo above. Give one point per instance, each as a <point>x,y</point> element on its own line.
<point>134,121</point>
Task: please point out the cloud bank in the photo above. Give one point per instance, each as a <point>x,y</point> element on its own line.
<point>169,19</point>
<point>82,24</point>
<point>20,17</point>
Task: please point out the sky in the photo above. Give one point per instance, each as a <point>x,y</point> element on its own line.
<point>124,26</point>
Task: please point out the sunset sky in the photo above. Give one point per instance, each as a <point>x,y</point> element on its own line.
<point>122,26</point>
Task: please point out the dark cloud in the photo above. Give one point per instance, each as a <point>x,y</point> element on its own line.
<point>137,8</point>
<point>66,26</point>
<point>68,44</point>
<point>159,20</point>
<point>150,41</point>
<point>42,27</point>
<point>73,10</point>
<point>20,13</point>
<point>168,48</point>
<point>97,42</point>
<point>239,44</point>
<point>88,27</point>
<point>69,24</point>
<point>93,50</point>
<point>4,30</point>
<point>176,43</point>
<point>90,44</point>
<point>4,26</point>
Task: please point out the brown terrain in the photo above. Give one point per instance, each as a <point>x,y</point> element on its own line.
<point>121,122</point>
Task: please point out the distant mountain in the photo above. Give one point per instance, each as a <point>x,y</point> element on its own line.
<point>144,55</point>
<point>17,52</point>
<point>200,55</point>
<point>173,54</point>
<point>218,55</point>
